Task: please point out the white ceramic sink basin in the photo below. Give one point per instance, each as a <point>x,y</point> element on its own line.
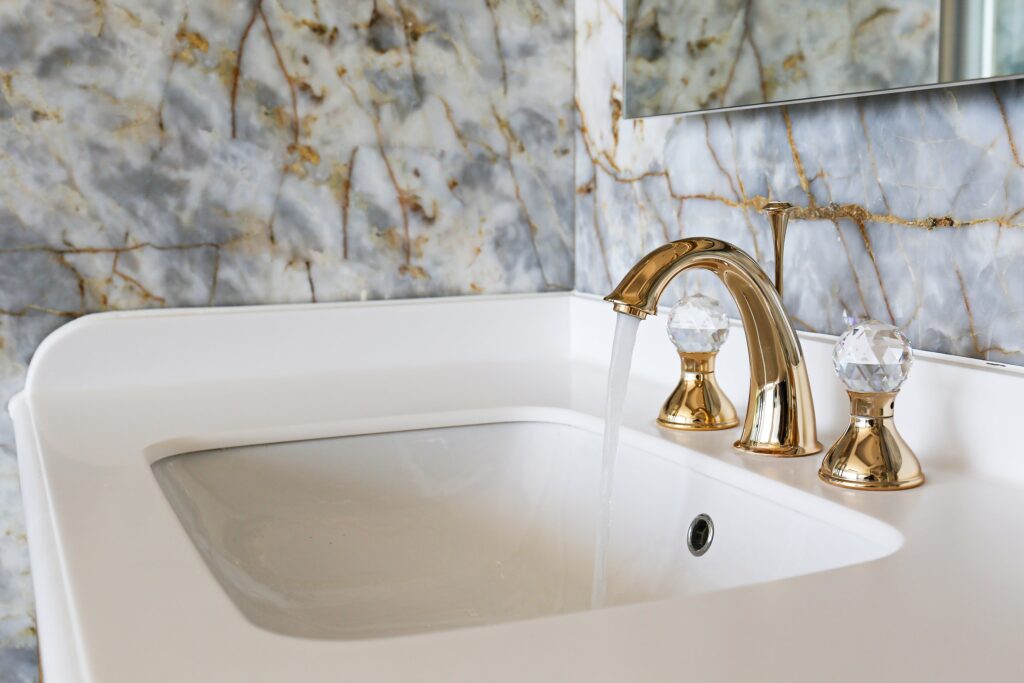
<point>402,532</point>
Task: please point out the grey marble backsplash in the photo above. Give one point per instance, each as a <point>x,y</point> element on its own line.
<point>229,152</point>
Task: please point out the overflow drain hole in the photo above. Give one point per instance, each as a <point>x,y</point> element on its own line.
<point>700,535</point>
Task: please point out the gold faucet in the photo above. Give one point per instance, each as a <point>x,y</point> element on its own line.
<point>780,410</point>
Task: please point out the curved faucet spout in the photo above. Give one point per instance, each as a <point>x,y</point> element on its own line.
<point>780,409</point>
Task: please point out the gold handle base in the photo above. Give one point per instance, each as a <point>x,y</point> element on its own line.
<point>695,422</point>
<point>776,450</point>
<point>871,455</point>
<point>698,404</point>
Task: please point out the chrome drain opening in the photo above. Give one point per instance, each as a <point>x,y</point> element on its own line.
<point>700,535</point>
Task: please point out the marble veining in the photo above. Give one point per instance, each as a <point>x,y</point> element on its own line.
<point>17,623</point>
<point>218,153</point>
<point>221,152</point>
<point>691,55</point>
<point>910,205</point>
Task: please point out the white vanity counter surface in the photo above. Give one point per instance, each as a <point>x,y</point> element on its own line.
<point>123,595</point>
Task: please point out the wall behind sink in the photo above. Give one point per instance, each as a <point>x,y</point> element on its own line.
<point>914,202</point>
<point>219,152</point>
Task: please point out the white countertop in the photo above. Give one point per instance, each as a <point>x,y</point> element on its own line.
<point>124,596</point>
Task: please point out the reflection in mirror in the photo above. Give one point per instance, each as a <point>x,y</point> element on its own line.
<point>698,55</point>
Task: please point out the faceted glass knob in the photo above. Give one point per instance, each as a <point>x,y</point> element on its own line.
<point>873,357</point>
<point>698,324</point>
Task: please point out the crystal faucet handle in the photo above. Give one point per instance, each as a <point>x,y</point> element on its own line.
<point>698,327</point>
<point>873,357</point>
<point>698,324</point>
<point>873,360</point>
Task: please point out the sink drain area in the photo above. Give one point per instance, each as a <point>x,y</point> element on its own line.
<point>700,535</point>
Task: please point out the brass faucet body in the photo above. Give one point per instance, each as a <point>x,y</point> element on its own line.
<point>780,410</point>
<point>871,455</point>
<point>698,403</point>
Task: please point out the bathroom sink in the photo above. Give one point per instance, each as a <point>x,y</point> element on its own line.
<point>397,491</point>
<point>386,534</point>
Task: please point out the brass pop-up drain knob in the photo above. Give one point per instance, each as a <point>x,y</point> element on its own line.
<point>873,360</point>
<point>698,327</point>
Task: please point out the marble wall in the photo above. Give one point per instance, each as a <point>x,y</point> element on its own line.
<point>689,55</point>
<point>911,205</point>
<point>220,152</point>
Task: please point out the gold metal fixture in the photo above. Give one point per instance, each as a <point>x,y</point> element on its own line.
<point>698,403</point>
<point>872,455</point>
<point>780,410</point>
<point>778,217</point>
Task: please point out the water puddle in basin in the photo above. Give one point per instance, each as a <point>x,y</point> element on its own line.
<point>618,377</point>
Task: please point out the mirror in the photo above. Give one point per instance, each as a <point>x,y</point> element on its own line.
<point>687,56</point>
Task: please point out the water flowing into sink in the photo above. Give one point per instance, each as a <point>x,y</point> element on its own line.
<point>618,376</point>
